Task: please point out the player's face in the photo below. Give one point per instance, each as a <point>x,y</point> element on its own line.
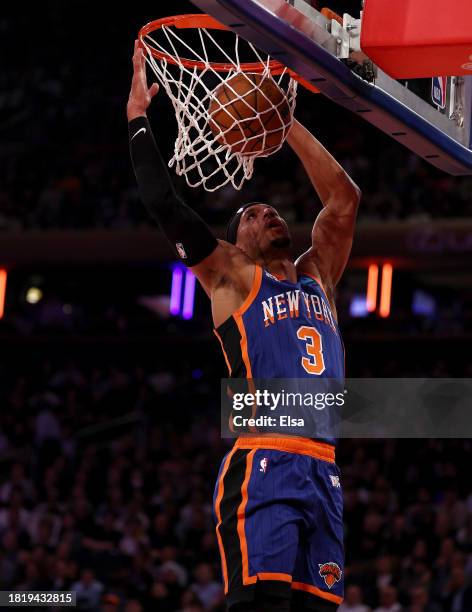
<point>262,228</point>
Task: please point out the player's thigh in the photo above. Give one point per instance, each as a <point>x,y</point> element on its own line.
<point>258,523</point>
<point>318,580</point>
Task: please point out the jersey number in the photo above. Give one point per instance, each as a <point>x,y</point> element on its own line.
<point>314,364</point>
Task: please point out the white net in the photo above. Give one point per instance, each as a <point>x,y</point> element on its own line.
<point>226,119</point>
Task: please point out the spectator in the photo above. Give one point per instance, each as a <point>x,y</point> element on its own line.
<point>9,559</point>
<point>457,594</point>
<point>88,590</point>
<point>353,600</point>
<point>389,600</point>
<point>110,603</point>
<point>133,605</point>
<point>420,601</point>
<point>19,481</point>
<point>208,591</point>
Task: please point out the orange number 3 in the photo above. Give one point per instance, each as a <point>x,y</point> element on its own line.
<point>314,364</point>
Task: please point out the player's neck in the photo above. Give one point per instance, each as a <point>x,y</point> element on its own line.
<point>281,268</point>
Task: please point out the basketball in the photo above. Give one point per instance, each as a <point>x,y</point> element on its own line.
<point>250,113</point>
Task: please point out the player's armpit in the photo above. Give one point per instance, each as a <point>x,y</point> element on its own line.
<point>226,261</point>
<point>209,271</point>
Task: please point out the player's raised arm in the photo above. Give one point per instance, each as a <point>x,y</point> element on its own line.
<point>334,227</point>
<point>189,236</point>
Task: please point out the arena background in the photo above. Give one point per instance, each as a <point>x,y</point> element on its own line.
<point>109,420</point>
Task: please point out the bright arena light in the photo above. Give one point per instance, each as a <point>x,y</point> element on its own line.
<point>33,295</point>
<point>3,287</point>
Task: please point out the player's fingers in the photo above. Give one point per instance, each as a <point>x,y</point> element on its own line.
<point>137,77</point>
<point>153,89</point>
<point>143,59</point>
<point>138,60</point>
<point>138,88</point>
<point>137,57</point>
<point>136,63</point>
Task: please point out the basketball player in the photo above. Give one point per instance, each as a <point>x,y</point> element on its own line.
<point>278,500</point>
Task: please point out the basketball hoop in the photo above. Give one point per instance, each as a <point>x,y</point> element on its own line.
<point>191,64</point>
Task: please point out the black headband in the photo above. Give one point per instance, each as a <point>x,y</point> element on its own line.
<point>233,224</point>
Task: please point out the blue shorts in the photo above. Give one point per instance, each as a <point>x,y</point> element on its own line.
<point>278,508</point>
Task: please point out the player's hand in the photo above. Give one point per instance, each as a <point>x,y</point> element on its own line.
<point>140,95</point>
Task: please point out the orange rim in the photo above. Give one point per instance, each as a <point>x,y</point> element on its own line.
<point>196,21</point>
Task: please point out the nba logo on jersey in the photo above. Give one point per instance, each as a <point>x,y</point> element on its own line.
<point>269,275</point>
<point>180,250</point>
<point>438,91</point>
<point>264,463</point>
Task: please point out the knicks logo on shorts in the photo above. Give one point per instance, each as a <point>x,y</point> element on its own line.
<point>330,572</point>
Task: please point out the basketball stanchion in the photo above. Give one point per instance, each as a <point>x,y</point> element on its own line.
<point>355,61</point>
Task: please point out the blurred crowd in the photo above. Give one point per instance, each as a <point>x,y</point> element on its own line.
<point>93,302</point>
<point>106,484</point>
<point>64,159</point>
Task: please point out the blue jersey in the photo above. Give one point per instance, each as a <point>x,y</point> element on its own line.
<point>283,330</point>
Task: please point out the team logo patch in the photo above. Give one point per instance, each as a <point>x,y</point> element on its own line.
<point>264,463</point>
<point>330,572</point>
<point>180,250</point>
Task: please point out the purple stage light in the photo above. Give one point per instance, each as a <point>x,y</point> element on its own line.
<point>176,290</point>
<point>187,311</point>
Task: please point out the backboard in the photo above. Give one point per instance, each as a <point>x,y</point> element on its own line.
<point>430,117</point>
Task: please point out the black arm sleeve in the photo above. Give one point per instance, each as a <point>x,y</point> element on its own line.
<point>188,234</point>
